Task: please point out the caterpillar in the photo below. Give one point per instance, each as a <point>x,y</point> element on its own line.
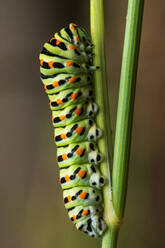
<point>66,72</point>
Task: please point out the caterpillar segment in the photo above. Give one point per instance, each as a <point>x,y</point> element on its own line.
<point>60,82</point>
<point>79,213</point>
<point>73,113</point>
<point>81,175</point>
<point>75,153</point>
<point>84,196</point>
<point>76,35</point>
<point>66,72</point>
<point>70,97</point>
<point>53,64</point>
<point>85,130</point>
<point>58,46</point>
<point>94,226</point>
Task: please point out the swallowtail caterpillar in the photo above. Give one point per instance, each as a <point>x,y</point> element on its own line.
<point>66,72</point>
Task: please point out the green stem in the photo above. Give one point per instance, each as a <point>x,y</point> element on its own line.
<point>110,237</point>
<point>126,105</point>
<point>103,117</point>
<point>113,216</point>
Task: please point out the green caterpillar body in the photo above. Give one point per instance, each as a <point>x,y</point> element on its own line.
<point>84,130</point>
<point>66,72</point>
<point>81,175</point>
<point>73,113</point>
<point>69,97</point>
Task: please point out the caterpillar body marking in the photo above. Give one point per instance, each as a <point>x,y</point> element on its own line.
<point>81,175</point>
<point>70,96</point>
<point>84,130</point>
<point>76,195</point>
<point>59,82</point>
<point>73,113</point>
<point>66,72</point>
<point>76,153</point>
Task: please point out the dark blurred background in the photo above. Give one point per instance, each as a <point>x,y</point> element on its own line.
<point>31,208</point>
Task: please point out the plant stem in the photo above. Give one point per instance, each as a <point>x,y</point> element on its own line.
<point>110,237</point>
<point>126,105</point>
<point>103,117</point>
<point>113,216</point>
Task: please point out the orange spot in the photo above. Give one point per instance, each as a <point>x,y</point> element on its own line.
<point>50,103</point>
<point>64,156</point>
<point>78,111</point>
<point>52,39</point>
<point>52,118</point>
<point>69,63</point>
<point>74,217</point>
<point>69,198</point>
<point>85,212</point>
<point>59,101</point>
<point>58,42</point>
<point>77,38</point>
<point>74,96</point>
<point>50,63</point>
<point>57,157</point>
<point>81,173</point>
<point>55,137</point>
<point>71,47</point>
<point>62,117</point>
<point>55,84</point>
<point>45,87</point>
<point>72,27</point>
<point>79,151</point>
<point>79,129</point>
<point>67,178</point>
<point>82,195</point>
<point>41,62</point>
<point>72,80</point>
<point>63,136</point>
